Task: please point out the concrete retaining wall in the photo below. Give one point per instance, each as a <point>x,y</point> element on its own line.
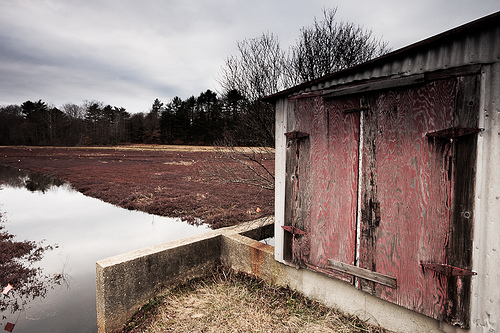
<point>128,281</point>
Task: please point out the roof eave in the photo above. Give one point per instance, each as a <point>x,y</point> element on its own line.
<point>484,22</point>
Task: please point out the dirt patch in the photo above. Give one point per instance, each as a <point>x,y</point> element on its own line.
<point>227,301</point>
<point>162,180</point>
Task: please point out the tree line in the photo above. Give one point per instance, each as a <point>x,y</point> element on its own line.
<point>202,120</point>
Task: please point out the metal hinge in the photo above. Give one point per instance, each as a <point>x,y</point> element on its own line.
<point>293,230</point>
<point>295,135</point>
<point>453,132</point>
<point>447,269</point>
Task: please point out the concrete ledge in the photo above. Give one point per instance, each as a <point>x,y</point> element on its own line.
<point>253,257</point>
<point>128,281</point>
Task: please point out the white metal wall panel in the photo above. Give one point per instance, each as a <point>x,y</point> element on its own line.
<point>485,286</point>
<point>279,187</point>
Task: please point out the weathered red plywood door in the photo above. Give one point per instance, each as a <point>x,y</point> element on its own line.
<point>322,176</point>
<point>382,197</point>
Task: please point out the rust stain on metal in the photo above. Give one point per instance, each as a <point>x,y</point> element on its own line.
<point>447,270</point>
<point>293,230</point>
<point>453,132</point>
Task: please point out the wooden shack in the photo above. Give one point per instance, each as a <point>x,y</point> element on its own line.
<point>387,176</point>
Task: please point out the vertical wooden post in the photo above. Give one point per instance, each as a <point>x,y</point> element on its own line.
<point>461,219</point>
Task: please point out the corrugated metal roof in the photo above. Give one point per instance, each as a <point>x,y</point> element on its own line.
<point>477,42</point>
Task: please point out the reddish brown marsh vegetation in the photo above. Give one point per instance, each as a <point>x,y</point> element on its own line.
<point>18,271</point>
<point>162,180</point>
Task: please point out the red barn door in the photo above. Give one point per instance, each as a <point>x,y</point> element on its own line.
<point>379,192</point>
<point>322,177</point>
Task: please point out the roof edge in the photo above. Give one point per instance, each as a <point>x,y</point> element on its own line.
<point>475,25</point>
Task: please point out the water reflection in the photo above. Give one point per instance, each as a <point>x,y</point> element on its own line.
<point>86,230</point>
<point>32,181</point>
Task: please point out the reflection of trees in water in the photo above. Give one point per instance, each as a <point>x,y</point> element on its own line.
<point>31,181</point>
<point>17,268</point>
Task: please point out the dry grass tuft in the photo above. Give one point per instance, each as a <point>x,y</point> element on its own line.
<point>227,301</point>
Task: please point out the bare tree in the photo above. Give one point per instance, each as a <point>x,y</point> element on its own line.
<point>73,111</point>
<point>258,69</point>
<point>329,46</point>
<point>262,68</point>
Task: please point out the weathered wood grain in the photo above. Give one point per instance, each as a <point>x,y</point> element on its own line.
<point>325,183</point>
<point>299,178</point>
<point>341,190</point>
<point>290,166</point>
<point>408,176</point>
<point>334,162</point>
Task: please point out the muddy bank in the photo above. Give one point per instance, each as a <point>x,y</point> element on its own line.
<point>162,180</point>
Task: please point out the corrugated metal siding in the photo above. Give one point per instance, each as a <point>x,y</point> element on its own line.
<point>485,289</point>
<point>474,48</point>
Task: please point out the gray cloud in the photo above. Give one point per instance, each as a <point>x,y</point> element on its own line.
<point>127,53</point>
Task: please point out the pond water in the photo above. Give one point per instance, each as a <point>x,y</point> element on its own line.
<point>84,230</point>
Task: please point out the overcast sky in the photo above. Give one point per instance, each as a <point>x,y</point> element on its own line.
<point>128,52</point>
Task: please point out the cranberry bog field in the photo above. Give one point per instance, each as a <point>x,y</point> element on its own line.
<point>174,181</point>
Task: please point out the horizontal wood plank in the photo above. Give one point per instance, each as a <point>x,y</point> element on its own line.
<point>363,273</point>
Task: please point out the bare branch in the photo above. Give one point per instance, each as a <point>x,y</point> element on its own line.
<point>242,165</point>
